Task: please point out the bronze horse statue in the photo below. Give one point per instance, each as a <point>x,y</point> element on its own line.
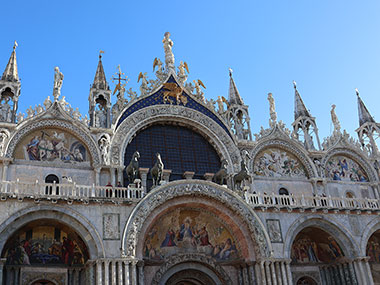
<point>157,170</point>
<point>243,175</point>
<point>221,176</point>
<point>132,169</point>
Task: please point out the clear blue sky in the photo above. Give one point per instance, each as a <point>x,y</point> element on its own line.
<point>328,47</point>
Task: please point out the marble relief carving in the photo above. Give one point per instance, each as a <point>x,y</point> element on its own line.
<point>274,162</point>
<point>111,228</point>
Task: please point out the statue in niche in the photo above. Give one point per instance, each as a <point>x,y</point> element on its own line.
<point>5,110</point>
<point>169,56</point>
<point>3,138</point>
<point>104,149</point>
<point>334,119</point>
<point>58,80</point>
<point>100,117</point>
<point>309,141</point>
<point>132,169</point>
<point>157,170</point>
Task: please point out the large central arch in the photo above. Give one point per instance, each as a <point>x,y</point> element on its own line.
<point>188,192</point>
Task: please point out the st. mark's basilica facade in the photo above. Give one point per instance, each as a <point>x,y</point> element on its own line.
<point>166,187</point>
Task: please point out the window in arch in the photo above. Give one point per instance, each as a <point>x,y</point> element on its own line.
<point>181,149</point>
<point>306,281</point>
<point>51,190</point>
<point>283,191</point>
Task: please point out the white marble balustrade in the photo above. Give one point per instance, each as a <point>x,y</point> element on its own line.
<point>70,191</point>
<point>311,202</point>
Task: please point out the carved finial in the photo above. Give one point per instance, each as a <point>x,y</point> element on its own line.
<point>100,54</point>
<point>294,84</point>
<point>230,71</point>
<point>15,45</point>
<point>357,91</point>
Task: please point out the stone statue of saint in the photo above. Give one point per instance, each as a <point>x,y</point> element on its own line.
<point>169,56</point>
<point>104,148</point>
<point>334,119</point>
<point>58,79</point>
<point>100,117</point>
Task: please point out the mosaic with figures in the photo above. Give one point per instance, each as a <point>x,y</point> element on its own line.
<point>313,245</point>
<point>274,162</point>
<point>44,244</point>
<point>373,247</point>
<point>342,168</point>
<point>52,145</point>
<point>190,231</point>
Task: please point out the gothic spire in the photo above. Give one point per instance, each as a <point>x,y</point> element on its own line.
<point>11,72</point>
<point>364,115</point>
<point>299,106</point>
<point>100,81</point>
<point>233,93</point>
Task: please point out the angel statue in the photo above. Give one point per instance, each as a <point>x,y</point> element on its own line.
<point>58,79</point>
<point>334,119</point>
<point>169,56</point>
<point>181,71</point>
<point>198,91</point>
<point>144,89</point>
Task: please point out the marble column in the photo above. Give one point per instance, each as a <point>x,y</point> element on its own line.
<point>126,273</point>
<point>289,272</point>
<point>262,273</point>
<point>99,272</point>
<point>2,263</point>
<point>97,175</point>
<point>278,272</point>
<point>273,271</point>
<point>106,272</point>
<point>113,272</point>
<point>120,271</point>
<point>362,272</point>
<point>251,273</point>
<point>134,273</point>
<point>144,176</point>
<point>140,267</point>
<point>113,176</point>
<point>283,273</point>
<point>89,272</point>
<point>268,274</point>
<point>245,274</point>
<point>5,170</point>
<point>369,272</point>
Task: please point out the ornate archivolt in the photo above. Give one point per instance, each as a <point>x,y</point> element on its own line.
<point>347,165</point>
<point>70,127</point>
<point>280,158</point>
<point>135,229</point>
<point>218,137</point>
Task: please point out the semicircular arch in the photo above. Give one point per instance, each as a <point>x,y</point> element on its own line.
<point>197,262</point>
<point>372,227</point>
<point>64,215</point>
<point>224,145</point>
<point>338,231</point>
<point>286,146</point>
<point>256,239</point>
<point>355,156</point>
<point>72,128</point>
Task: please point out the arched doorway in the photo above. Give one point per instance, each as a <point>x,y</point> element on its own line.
<point>306,281</point>
<point>190,277</point>
<point>373,251</point>
<point>52,190</point>
<point>43,282</point>
<point>40,247</point>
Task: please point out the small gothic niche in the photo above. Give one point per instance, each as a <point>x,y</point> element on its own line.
<point>239,121</point>
<point>7,106</point>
